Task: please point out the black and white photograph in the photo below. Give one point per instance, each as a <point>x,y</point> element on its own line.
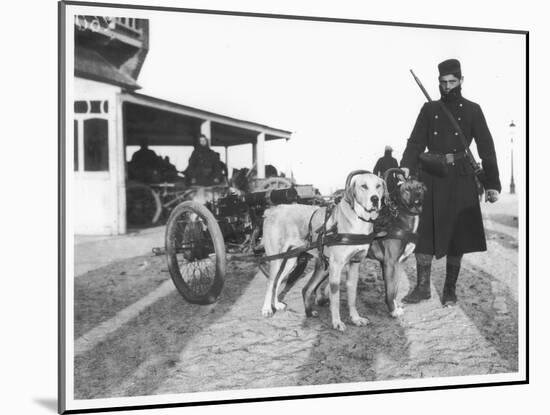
<point>269,205</point>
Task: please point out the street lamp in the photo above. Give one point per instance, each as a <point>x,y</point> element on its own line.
<point>512,133</point>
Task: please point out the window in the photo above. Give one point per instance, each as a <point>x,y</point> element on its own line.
<point>81,107</point>
<point>91,135</point>
<point>75,145</point>
<point>96,144</point>
<point>91,107</point>
<point>96,107</point>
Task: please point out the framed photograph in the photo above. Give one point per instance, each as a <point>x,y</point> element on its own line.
<point>262,207</point>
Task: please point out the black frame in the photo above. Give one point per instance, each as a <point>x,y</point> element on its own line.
<point>62,200</point>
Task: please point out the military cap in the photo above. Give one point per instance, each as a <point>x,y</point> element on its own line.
<point>450,66</point>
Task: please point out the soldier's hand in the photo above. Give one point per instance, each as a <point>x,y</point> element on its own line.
<point>491,195</point>
<point>406,171</point>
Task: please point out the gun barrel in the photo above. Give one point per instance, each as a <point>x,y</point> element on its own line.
<point>272,197</point>
<point>421,86</point>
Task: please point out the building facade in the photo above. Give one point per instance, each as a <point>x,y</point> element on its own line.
<point>110,115</point>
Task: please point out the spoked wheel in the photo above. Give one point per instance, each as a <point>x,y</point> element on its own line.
<point>143,206</point>
<point>195,251</point>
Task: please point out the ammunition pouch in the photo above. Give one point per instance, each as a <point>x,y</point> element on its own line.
<point>434,164</point>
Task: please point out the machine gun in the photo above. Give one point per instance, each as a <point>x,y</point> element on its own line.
<point>240,216</point>
<point>199,236</point>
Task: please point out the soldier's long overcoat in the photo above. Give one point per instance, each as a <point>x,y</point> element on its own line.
<point>451,222</point>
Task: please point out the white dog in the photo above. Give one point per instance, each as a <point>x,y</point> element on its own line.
<point>290,226</point>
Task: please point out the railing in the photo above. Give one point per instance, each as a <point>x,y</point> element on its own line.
<point>129,23</point>
<point>109,24</point>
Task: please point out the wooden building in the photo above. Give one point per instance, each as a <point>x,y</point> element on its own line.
<point>110,115</point>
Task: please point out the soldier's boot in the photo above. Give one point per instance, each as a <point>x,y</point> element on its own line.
<point>449,288</point>
<point>422,291</point>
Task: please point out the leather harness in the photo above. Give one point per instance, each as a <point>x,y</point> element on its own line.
<point>331,237</point>
<point>394,208</point>
<point>325,237</point>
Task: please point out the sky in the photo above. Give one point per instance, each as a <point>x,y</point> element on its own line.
<point>344,90</point>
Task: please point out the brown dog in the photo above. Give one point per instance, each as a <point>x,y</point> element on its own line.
<point>400,219</point>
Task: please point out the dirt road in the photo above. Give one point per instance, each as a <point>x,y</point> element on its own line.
<point>134,335</point>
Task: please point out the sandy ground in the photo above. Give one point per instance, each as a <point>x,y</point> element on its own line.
<point>135,335</point>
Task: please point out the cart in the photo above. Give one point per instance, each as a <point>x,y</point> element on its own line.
<point>198,237</point>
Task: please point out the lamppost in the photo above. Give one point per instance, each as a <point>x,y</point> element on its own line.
<point>512,133</point>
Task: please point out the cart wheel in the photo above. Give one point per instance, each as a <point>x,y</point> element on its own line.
<point>143,205</point>
<point>195,252</point>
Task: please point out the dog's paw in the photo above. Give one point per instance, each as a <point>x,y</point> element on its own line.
<point>338,325</point>
<point>267,311</point>
<point>398,311</point>
<point>279,306</point>
<point>360,321</point>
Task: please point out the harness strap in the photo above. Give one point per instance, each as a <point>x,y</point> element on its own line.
<point>322,237</point>
<point>321,231</point>
<point>274,288</point>
<point>321,228</point>
<point>329,240</point>
<point>401,234</point>
<point>353,238</point>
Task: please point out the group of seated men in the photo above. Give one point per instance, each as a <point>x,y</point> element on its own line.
<point>148,167</point>
<point>205,167</point>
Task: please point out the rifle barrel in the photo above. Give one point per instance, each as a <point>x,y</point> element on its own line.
<point>421,86</point>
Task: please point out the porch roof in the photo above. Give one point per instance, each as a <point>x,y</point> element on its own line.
<point>168,123</point>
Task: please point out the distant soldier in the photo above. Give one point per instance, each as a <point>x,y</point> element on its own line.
<point>386,162</point>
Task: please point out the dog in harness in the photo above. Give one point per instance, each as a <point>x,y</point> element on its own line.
<point>336,238</point>
<point>399,219</point>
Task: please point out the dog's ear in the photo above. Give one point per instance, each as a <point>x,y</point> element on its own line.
<point>349,195</point>
<point>349,191</point>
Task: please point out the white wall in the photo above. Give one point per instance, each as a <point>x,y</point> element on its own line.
<point>98,203</point>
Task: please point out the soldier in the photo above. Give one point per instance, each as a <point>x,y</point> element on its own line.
<point>386,162</point>
<point>451,222</point>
